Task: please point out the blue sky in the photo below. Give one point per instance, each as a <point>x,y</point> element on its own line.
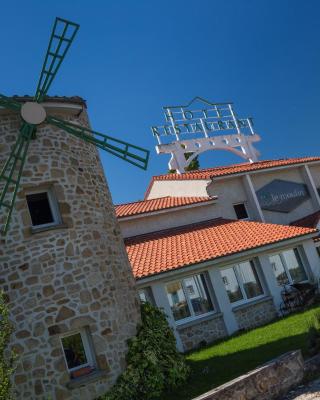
<point>130,58</point>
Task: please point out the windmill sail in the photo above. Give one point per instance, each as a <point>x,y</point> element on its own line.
<point>135,155</point>
<point>62,36</point>
<point>11,174</point>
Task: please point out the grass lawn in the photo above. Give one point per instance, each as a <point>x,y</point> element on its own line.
<point>218,363</point>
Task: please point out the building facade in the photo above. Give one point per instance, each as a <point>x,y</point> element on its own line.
<point>215,248</point>
<point>63,266</point>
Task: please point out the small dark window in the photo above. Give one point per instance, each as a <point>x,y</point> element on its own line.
<point>40,209</point>
<point>74,351</point>
<point>240,210</point>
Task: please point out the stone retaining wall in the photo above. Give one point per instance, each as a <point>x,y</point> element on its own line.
<point>264,383</point>
<point>256,314</point>
<point>206,331</point>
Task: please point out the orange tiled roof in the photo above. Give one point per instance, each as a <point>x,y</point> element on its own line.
<point>161,203</point>
<point>166,250</point>
<point>310,221</point>
<point>210,173</point>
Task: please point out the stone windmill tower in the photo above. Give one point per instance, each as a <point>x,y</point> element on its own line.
<point>63,266</point>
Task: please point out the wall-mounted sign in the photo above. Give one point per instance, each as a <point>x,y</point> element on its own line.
<point>282,196</point>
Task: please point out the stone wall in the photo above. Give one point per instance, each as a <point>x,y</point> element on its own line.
<point>268,382</point>
<point>258,313</point>
<point>202,332</point>
<point>75,275</point>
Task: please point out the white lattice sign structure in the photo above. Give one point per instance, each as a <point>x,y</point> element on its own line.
<point>201,126</point>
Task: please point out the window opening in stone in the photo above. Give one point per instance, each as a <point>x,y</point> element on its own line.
<point>40,209</point>
<point>241,211</point>
<point>77,354</point>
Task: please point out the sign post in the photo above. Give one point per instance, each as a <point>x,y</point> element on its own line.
<point>205,126</point>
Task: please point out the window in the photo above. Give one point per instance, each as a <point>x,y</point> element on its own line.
<point>43,209</point>
<point>189,297</point>
<point>77,353</point>
<point>146,295</point>
<point>241,211</point>
<point>288,267</point>
<point>241,282</point>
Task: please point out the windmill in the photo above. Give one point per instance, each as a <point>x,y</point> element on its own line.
<point>34,114</point>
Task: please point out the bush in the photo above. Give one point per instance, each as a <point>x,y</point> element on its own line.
<point>6,358</point>
<point>314,335</point>
<point>153,362</point>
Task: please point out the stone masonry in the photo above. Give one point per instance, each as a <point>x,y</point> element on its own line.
<point>75,275</point>
<point>202,332</point>
<point>252,315</point>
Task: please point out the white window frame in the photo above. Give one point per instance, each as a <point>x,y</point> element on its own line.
<point>246,208</point>
<point>244,299</point>
<point>53,203</point>
<point>87,349</point>
<point>284,264</point>
<point>193,316</point>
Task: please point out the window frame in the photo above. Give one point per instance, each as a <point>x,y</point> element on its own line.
<point>287,271</point>
<point>193,316</point>
<point>53,204</point>
<point>91,361</point>
<point>244,299</point>
<point>245,207</point>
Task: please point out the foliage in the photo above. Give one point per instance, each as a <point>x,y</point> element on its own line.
<point>220,362</point>
<point>193,166</point>
<point>153,362</point>
<point>6,358</point>
<point>313,338</point>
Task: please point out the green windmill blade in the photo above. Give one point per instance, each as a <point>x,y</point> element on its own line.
<point>8,103</point>
<point>62,36</point>
<point>10,175</point>
<point>135,155</point>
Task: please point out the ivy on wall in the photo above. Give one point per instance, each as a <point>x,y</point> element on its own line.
<point>6,357</point>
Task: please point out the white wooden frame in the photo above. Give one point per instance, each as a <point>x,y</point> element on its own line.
<point>87,350</point>
<point>245,299</point>
<point>193,316</point>
<point>285,266</point>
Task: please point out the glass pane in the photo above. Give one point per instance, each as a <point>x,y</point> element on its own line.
<point>74,351</point>
<point>250,280</point>
<point>231,284</point>
<point>177,301</point>
<point>294,265</point>
<point>146,296</point>
<point>198,295</point>
<point>278,269</point>
<point>39,207</point>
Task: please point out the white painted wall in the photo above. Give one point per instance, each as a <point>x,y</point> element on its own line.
<point>271,288</point>
<point>187,188</point>
<point>315,172</point>
<point>180,216</point>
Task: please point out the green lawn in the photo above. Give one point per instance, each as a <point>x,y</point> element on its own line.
<point>218,363</point>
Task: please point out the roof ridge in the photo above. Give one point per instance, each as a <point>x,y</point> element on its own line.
<point>177,229</point>
<point>166,197</point>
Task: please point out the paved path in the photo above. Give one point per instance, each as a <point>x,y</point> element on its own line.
<point>311,391</point>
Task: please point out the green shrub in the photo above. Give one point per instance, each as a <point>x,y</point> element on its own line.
<point>6,358</point>
<point>313,337</point>
<point>153,363</point>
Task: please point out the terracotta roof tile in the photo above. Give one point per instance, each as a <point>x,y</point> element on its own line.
<point>309,221</point>
<point>166,250</point>
<point>161,203</point>
<point>210,173</point>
